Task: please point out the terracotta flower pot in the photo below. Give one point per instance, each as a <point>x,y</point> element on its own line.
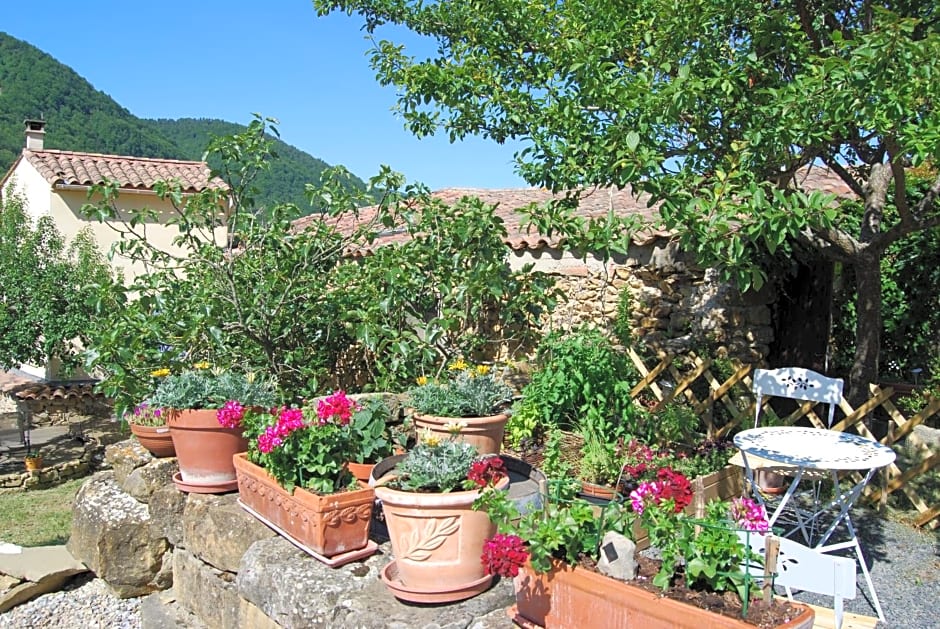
<point>33,463</point>
<point>483,433</point>
<point>156,439</point>
<point>569,596</point>
<point>328,525</point>
<point>360,471</point>
<point>437,539</point>
<point>205,449</point>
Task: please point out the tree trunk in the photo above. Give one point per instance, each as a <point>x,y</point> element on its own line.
<point>868,327</point>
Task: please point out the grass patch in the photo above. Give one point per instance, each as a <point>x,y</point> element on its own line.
<point>38,518</point>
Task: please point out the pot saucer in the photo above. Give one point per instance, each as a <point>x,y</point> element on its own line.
<point>201,488</point>
<point>390,578</point>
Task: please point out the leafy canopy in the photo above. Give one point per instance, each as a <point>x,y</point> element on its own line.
<point>715,108</point>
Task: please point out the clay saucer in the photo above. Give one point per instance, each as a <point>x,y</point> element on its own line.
<point>203,488</point>
<point>390,578</point>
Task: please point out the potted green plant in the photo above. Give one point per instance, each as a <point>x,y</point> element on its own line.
<point>204,445</point>
<point>552,556</point>
<point>148,424</point>
<point>436,536</point>
<point>295,477</point>
<point>371,437</point>
<point>469,396</point>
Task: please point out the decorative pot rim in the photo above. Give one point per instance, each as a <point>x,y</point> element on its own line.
<point>418,499</point>
<point>470,420</point>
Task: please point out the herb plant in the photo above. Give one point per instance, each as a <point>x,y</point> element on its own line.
<point>211,388</point>
<point>369,432</point>
<point>466,391</point>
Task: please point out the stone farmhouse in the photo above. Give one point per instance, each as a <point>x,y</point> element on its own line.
<point>674,305</point>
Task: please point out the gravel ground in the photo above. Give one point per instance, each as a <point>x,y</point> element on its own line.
<point>904,563</point>
<point>905,568</point>
<point>86,603</point>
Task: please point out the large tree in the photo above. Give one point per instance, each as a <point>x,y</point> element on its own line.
<point>714,107</point>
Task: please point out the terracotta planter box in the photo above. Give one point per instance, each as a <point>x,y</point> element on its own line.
<point>574,597</point>
<point>328,525</point>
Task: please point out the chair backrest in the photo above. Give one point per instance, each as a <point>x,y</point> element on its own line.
<point>805,568</point>
<point>798,384</point>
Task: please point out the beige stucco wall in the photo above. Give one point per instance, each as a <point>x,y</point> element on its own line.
<point>64,206</point>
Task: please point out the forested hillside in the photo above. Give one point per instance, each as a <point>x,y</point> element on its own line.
<point>289,172</point>
<point>81,118</point>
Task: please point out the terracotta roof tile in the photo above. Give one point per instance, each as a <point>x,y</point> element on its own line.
<point>139,173</point>
<point>593,203</point>
<point>22,386</point>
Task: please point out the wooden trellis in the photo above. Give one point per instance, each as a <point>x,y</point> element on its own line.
<point>680,377</point>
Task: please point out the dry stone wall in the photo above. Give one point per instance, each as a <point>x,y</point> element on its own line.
<point>673,306</point>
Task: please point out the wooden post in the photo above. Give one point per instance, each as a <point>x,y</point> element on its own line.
<point>698,499</point>
<point>771,549</point>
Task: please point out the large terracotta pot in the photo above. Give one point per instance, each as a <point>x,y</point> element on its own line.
<point>569,596</point>
<point>328,525</point>
<point>437,539</point>
<point>483,433</point>
<point>205,448</point>
<point>156,439</point>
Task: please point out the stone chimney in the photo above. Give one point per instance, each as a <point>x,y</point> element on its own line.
<point>35,134</point>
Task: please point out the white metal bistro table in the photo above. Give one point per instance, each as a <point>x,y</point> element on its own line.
<point>816,450</point>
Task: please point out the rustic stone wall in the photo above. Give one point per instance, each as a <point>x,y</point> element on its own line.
<point>673,306</point>
<point>222,568</point>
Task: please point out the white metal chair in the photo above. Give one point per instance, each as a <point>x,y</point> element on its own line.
<point>796,383</point>
<point>807,569</point>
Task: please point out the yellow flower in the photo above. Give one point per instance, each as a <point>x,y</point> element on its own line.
<point>429,438</point>
<point>458,365</point>
<point>160,373</point>
<point>422,380</point>
<point>202,364</point>
<point>455,426</point>
<point>482,370</point>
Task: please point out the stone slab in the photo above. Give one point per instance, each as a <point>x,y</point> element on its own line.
<point>28,590</point>
<point>38,562</point>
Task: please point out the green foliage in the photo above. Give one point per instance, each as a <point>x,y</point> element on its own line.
<point>268,306</point>
<point>582,382</point>
<point>435,466</point>
<point>465,393</point>
<point>523,423</point>
<point>707,552</point>
<point>676,422</point>
<point>623,324</point>
<point>713,111</point>
<point>600,461</point>
<point>43,284</point>
<point>565,528</point>
<point>370,438</point>
<point>447,291</point>
<point>211,388</point>
<point>284,182</point>
<point>311,455</point>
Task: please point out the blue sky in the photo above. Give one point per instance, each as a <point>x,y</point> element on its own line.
<point>229,59</point>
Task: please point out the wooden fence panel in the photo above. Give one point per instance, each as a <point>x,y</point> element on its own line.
<point>734,399</point>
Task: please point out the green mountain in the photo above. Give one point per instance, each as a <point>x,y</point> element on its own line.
<point>81,118</point>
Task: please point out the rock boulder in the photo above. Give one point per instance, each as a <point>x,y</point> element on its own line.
<point>111,535</point>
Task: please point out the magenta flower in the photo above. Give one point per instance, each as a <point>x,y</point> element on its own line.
<point>749,515</point>
<point>646,493</point>
<point>231,414</point>
<point>337,408</point>
<point>504,555</point>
